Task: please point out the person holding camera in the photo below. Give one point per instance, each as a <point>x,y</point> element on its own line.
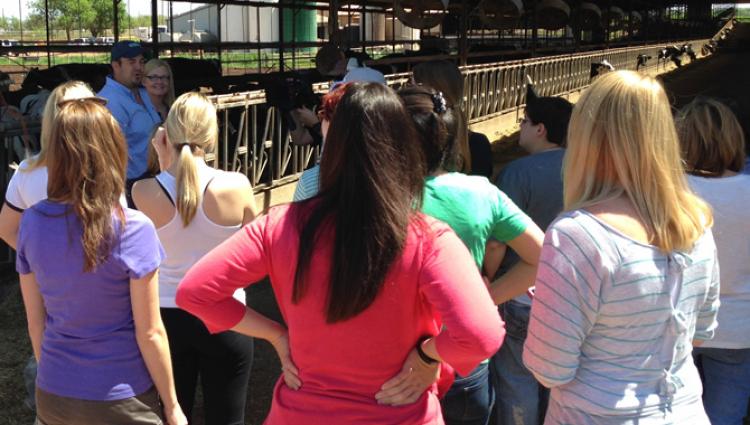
<point>330,61</point>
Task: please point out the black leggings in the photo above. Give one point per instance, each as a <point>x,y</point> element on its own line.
<point>223,362</point>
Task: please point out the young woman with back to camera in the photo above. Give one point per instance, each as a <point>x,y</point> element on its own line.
<point>93,313</point>
<point>195,208</point>
<point>476,210</point>
<point>628,278</point>
<point>360,277</point>
<point>713,147</point>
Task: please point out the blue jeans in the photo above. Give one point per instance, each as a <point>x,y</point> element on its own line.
<point>469,400</point>
<point>521,400</point>
<point>726,383</point>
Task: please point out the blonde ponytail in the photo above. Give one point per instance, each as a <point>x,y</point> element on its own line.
<point>187,185</point>
<point>192,130</point>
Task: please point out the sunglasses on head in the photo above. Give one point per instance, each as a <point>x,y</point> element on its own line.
<point>94,99</point>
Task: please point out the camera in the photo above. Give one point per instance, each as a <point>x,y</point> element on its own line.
<point>290,91</point>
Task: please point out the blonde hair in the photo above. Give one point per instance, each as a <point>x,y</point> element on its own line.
<point>158,63</point>
<point>445,77</point>
<point>65,91</point>
<point>87,163</point>
<point>622,140</point>
<point>192,130</point>
<point>711,137</point>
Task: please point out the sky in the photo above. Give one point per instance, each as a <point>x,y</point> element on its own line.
<point>136,7</point>
<point>142,7</point>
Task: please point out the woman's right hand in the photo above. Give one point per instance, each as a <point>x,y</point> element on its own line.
<point>174,415</point>
<point>288,368</point>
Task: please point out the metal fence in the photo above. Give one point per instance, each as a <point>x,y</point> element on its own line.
<point>255,141</point>
<point>494,89</point>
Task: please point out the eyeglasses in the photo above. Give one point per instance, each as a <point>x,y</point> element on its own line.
<point>94,99</point>
<point>153,78</point>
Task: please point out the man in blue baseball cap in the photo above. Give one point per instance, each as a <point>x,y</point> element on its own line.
<point>131,106</point>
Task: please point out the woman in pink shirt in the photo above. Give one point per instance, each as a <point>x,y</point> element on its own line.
<point>371,291</point>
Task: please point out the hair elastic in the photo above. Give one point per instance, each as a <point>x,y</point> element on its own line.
<point>439,103</point>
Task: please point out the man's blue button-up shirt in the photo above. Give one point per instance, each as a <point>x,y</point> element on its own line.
<point>136,121</point>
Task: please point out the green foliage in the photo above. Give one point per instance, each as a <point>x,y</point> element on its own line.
<point>94,15</point>
<point>103,16</point>
<point>66,14</point>
<point>9,23</point>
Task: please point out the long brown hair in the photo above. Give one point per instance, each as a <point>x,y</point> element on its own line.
<point>437,125</point>
<point>86,161</point>
<point>445,77</point>
<point>371,184</point>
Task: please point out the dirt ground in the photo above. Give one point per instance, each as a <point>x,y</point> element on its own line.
<point>15,350</point>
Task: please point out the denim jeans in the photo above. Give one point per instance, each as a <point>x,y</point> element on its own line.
<point>726,383</point>
<point>469,400</point>
<point>521,400</point>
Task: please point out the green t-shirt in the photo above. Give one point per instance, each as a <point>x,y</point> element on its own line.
<point>475,209</point>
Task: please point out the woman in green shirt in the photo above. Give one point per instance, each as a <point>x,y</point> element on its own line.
<point>476,210</point>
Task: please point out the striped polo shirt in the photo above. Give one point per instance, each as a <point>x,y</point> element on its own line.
<point>612,324</point>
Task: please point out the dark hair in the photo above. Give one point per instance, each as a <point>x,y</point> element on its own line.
<point>554,113</point>
<point>444,76</point>
<point>371,185</point>
<point>327,57</point>
<point>437,127</point>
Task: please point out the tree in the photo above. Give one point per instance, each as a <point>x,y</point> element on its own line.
<point>103,16</point>
<point>68,14</point>
<point>9,23</point>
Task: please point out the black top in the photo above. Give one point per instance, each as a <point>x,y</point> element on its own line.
<point>481,154</point>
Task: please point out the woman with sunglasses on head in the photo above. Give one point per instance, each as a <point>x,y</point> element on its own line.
<point>476,210</point>
<point>713,146</point>
<point>29,183</point>
<point>93,313</point>
<point>360,277</point>
<point>195,208</point>
<point>628,279</point>
<point>157,80</point>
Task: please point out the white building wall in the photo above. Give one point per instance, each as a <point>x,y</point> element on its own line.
<point>238,23</point>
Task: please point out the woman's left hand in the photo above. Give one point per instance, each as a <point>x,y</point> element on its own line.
<point>288,368</point>
<point>415,378</point>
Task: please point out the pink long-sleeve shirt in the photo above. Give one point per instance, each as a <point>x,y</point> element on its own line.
<point>343,365</point>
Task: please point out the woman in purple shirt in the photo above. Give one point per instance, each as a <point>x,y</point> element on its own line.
<point>89,282</point>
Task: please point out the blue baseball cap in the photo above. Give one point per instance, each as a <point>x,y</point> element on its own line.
<point>126,49</point>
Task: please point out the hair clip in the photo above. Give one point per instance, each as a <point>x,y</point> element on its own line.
<point>439,103</point>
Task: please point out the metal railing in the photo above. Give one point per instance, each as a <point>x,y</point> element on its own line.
<point>494,89</point>
<point>255,141</point>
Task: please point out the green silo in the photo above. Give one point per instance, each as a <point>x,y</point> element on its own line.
<point>300,25</point>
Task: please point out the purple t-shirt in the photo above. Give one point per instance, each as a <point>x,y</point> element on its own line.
<point>89,350</point>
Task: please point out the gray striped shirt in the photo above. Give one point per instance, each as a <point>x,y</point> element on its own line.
<point>612,324</point>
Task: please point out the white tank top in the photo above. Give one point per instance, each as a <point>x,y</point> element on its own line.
<point>184,246</point>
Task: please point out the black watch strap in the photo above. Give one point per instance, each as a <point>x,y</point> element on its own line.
<point>422,355</point>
